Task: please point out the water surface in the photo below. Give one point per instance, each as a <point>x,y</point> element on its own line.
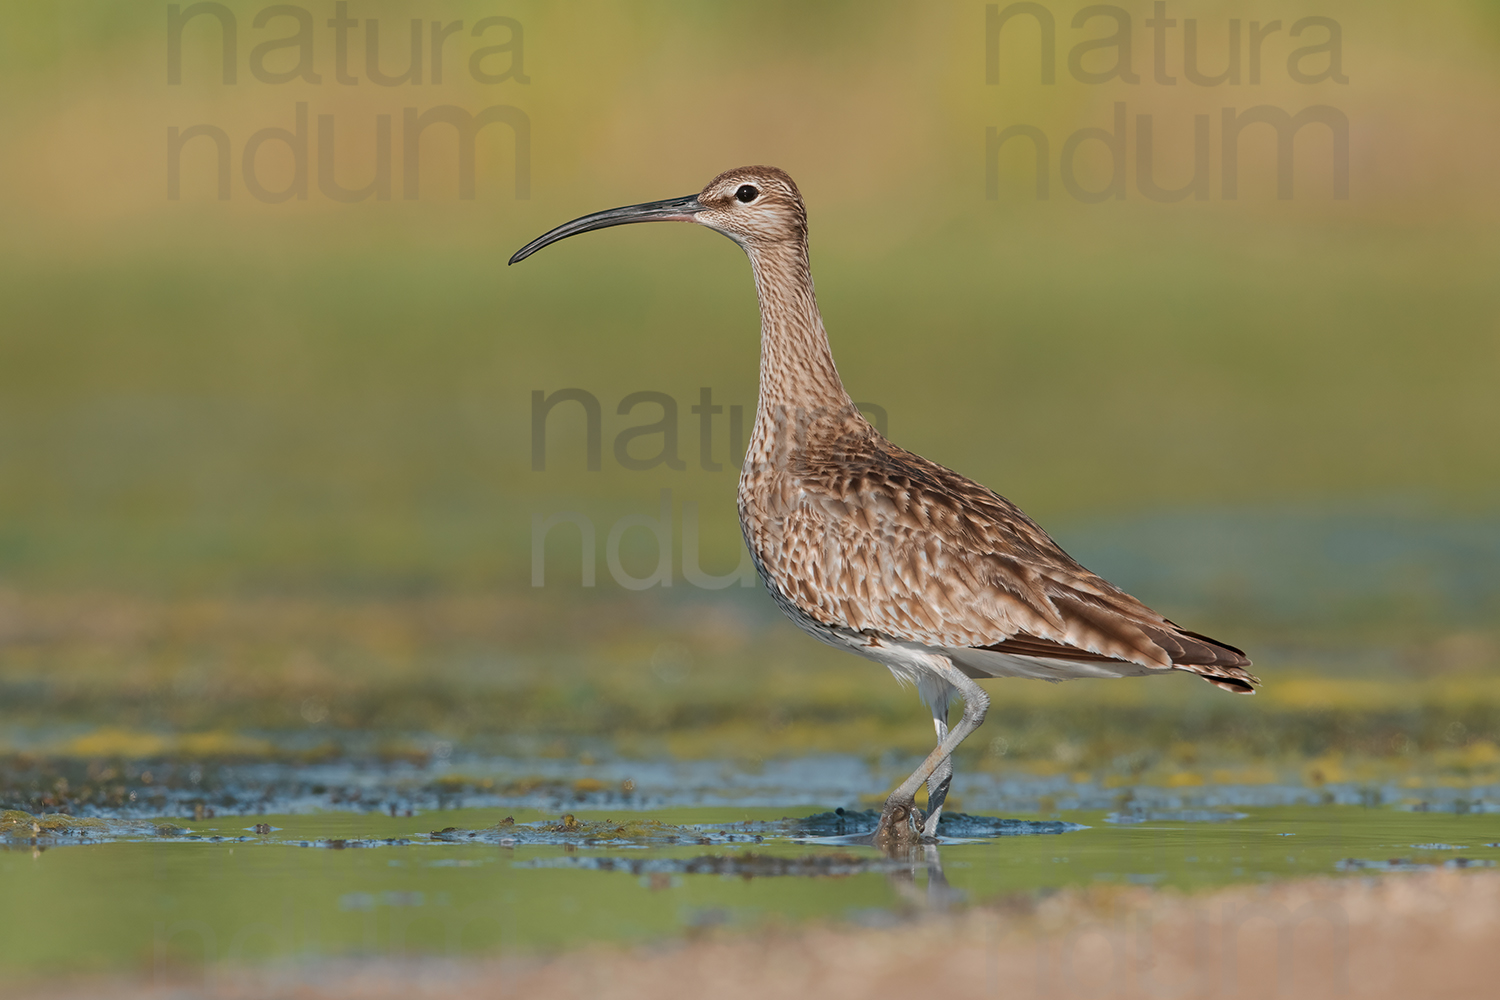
<point>295,887</point>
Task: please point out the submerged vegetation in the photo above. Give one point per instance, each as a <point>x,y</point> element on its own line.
<point>118,704</point>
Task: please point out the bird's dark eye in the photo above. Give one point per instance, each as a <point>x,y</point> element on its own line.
<point>747,193</point>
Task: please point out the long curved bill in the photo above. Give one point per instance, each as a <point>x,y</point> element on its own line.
<point>672,210</point>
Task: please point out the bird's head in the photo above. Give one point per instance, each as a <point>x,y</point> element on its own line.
<point>757,207</point>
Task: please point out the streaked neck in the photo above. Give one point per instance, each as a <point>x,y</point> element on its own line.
<point>796,365</point>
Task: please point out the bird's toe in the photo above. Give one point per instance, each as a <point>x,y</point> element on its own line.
<point>900,826</point>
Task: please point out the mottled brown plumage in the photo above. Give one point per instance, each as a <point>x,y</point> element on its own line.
<point>870,547</point>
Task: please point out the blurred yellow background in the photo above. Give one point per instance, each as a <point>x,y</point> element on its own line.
<point>254,449</point>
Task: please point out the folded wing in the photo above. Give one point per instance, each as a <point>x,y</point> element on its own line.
<point>892,544</point>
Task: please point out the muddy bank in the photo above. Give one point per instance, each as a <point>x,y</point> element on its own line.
<point>1396,936</point>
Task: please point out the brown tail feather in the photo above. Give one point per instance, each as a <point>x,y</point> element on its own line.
<point>1218,663</point>
<point>1190,649</point>
<point>1233,684</point>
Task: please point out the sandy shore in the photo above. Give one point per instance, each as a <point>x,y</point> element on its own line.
<point>1401,936</point>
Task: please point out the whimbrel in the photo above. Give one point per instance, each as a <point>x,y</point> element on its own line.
<point>871,548</point>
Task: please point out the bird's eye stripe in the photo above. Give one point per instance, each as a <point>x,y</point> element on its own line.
<point>746,193</point>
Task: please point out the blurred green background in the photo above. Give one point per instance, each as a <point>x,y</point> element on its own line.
<point>256,456</point>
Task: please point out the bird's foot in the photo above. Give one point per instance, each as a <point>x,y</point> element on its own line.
<point>900,827</point>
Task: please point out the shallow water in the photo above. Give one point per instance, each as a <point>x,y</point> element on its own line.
<point>312,881</point>
<point>555,786</point>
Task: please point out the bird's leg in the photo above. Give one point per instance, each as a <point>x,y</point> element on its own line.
<point>938,782</point>
<point>895,829</point>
